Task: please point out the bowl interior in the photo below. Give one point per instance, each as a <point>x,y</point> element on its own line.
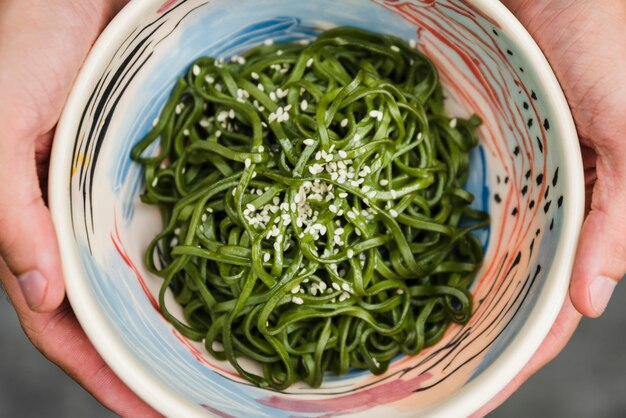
<point>517,176</point>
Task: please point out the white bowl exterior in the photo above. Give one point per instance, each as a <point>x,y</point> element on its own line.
<point>103,233</point>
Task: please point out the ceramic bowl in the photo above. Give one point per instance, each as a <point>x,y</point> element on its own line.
<point>526,173</point>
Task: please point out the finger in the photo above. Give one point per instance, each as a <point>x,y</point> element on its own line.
<point>601,256</point>
<point>553,344</point>
<point>28,240</point>
<point>60,338</point>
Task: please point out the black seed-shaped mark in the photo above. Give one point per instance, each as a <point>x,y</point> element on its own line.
<point>521,69</point>
<point>538,232</point>
<point>545,195</point>
<point>532,246</point>
<point>528,173</point>
<point>506,180</point>
<point>555,178</point>
<point>539,179</point>
<point>524,190</point>
<point>526,105</point>
<point>497,198</point>
<point>517,260</point>
<point>530,122</point>
<point>531,204</point>
<point>546,207</point>
<point>498,179</point>
<point>514,213</point>
<point>516,151</point>
<point>546,124</point>
<point>508,51</point>
<point>540,144</point>
<point>495,32</point>
<point>552,224</point>
<point>533,95</point>
<point>560,201</point>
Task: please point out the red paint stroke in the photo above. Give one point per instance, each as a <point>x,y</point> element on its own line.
<point>166,6</point>
<point>358,401</point>
<point>216,412</point>
<point>117,242</point>
<point>200,357</point>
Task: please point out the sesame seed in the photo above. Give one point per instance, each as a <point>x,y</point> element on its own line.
<point>266,257</point>
<point>250,207</point>
<point>357,137</point>
<point>196,70</point>
<point>344,123</point>
<point>350,253</point>
<point>453,123</point>
<point>394,194</point>
<point>394,48</point>
<point>343,297</point>
<point>366,189</point>
<point>248,162</point>
<point>400,291</point>
<point>374,113</point>
<point>309,62</point>
<point>309,142</point>
<point>393,213</point>
<point>295,289</point>
<point>412,43</point>
<point>173,242</point>
<point>383,182</point>
<point>333,208</point>
<point>343,154</point>
<point>297,300</point>
<point>277,246</point>
<point>371,194</point>
<point>254,75</point>
<point>268,42</point>
<point>336,286</point>
<point>343,195</point>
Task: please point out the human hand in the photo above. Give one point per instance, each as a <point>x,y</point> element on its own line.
<point>43,43</point>
<point>585,42</point>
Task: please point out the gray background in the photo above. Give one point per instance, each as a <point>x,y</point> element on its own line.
<point>588,379</point>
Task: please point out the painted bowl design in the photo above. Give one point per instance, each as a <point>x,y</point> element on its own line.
<point>526,174</point>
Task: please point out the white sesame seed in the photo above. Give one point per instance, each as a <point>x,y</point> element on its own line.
<point>420,135</point>
<point>234,191</point>
<point>209,79</point>
<point>395,48</point>
<point>269,41</point>
<point>339,231</point>
<point>344,123</point>
<point>309,62</point>
<point>344,296</point>
<point>254,75</point>
<point>357,137</point>
<point>394,194</point>
<point>350,253</point>
<point>343,154</point>
<point>393,213</point>
<point>295,289</point>
<point>453,123</point>
<point>248,162</point>
<point>277,246</point>
<point>366,189</point>
<point>266,257</point>
<point>273,96</point>
<point>309,142</point>
<point>343,195</point>
<point>196,70</point>
<point>333,208</point>
<point>371,194</point>
<point>383,182</point>
<point>400,291</point>
<point>297,300</point>
<point>336,286</point>
<point>412,43</point>
<point>173,242</point>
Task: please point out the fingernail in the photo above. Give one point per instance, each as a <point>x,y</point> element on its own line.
<point>33,286</point>
<point>600,293</point>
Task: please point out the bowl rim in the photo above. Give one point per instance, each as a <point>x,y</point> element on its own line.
<point>471,397</point>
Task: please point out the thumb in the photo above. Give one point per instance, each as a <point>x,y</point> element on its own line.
<point>601,256</point>
<point>28,240</point>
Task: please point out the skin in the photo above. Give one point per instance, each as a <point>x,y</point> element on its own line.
<point>585,43</point>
